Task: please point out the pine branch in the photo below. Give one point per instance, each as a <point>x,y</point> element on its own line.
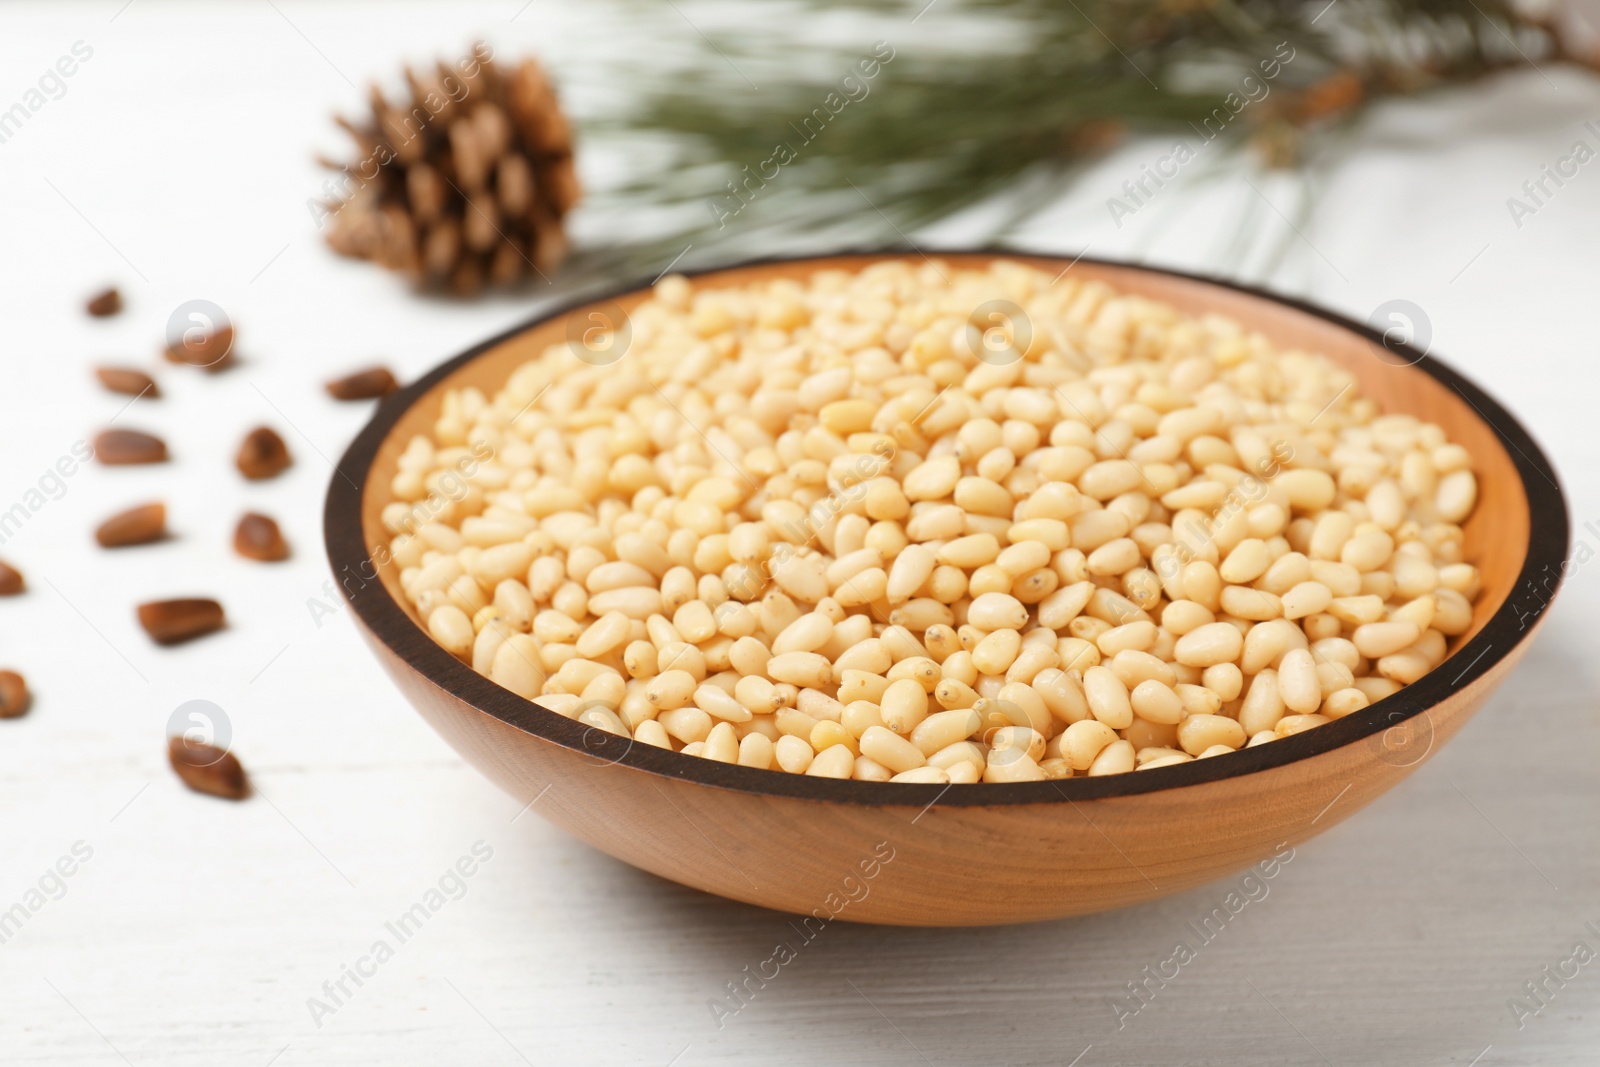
<point>934,132</point>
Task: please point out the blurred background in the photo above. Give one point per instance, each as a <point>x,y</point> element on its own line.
<point>1427,167</point>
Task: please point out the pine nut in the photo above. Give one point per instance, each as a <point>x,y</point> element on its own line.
<point>1263,705</point>
<point>671,689</point>
<point>1198,700</point>
<point>720,704</point>
<point>1405,666</point>
<point>1182,616</point>
<point>1215,642</point>
<point>1115,758</point>
<point>1024,706</point>
<point>867,769</point>
<point>806,634</point>
<point>1287,571</point>
<point>911,569</point>
<point>1376,639</point>
<point>904,705</point>
<point>924,671</point>
<point>1247,602</point>
<point>1020,738</point>
<point>1266,643</point>
<point>1107,697</point>
<point>1356,609</point>
<point>826,734</point>
<point>1083,741</point>
<point>1157,752</point>
<point>996,652</point>
<point>604,634</point>
<point>1012,766</point>
<point>1034,657</point>
<point>997,611</point>
<point>1294,724</point>
<point>1156,702</point>
<point>891,750</point>
<point>755,750</point>
<point>1248,561</point>
<point>450,626</point>
<point>1307,598</point>
<point>652,733</point>
<point>943,729</point>
<point>1344,702</point>
<point>804,669</point>
<point>1297,682</point>
<point>487,643</point>
<point>1224,679</point>
<point>686,723</point>
<point>1367,551</point>
<point>1457,493</point>
<point>762,697</point>
<point>793,754</point>
<point>1135,666</point>
<point>1306,490</point>
<point>1200,732</point>
<point>721,745</point>
<point>1135,636</point>
<point>516,666</point>
<point>1061,607</point>
<point>835,762</point>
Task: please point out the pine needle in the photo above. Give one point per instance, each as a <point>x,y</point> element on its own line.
<point>932,132</point>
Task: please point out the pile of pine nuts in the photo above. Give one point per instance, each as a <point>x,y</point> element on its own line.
<point>926,524</point>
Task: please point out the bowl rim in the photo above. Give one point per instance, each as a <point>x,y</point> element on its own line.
<point>1508,627</point>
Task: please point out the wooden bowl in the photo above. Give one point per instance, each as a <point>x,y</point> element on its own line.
<point>929,855</point>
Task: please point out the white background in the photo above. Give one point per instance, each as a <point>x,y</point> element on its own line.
<point>178,165</point>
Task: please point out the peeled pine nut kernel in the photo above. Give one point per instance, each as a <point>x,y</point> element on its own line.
<point>1200,732</point>
<point>1297,682</point>
<point>802,527</point>
<point>835,762</point>
<point>891,750</point>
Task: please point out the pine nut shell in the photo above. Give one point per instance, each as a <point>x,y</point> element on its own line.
<point>172,622</point>
<point>211,353</point>
<point>208,769</point>
<point>136,526</point>
<point>105,303</point>
<point>121,448</point>
<point>368,384</point>
<point>257,537</point>
<point>127,381</point>
<point>15,699</point>
<point>263,454</point>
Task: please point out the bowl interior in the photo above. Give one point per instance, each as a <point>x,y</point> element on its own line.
<point>1501,539</point>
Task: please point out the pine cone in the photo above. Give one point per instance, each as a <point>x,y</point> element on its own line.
<point>466,183</point>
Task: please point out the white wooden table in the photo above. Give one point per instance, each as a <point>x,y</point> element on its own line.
<point>176,163</point>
